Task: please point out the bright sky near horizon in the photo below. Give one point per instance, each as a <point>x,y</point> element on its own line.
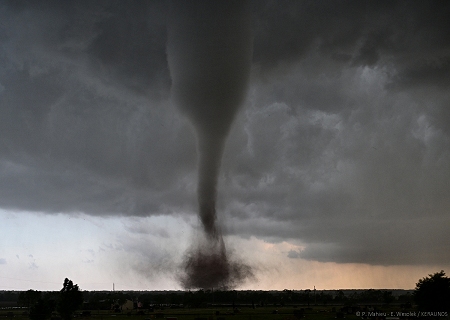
<point>335,174</point>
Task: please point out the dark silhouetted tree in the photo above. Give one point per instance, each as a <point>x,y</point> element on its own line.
<point>340,297</point>
<point>388,297</point>
<point>308,297</point>
<point>433,293</point>
<point>42,310</point>
<point>70,299</point>
<point>28,298</point>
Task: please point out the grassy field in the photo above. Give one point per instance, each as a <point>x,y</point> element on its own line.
<point>263,313</point>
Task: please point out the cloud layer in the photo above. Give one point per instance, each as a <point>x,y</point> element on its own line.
<point>342,146</point>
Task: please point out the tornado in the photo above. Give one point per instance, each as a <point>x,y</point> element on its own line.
<point>209,53</point>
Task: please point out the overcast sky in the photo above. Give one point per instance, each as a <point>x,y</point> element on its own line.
<point>335,173</point>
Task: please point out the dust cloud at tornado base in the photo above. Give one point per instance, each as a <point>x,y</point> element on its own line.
<point>209,53</point>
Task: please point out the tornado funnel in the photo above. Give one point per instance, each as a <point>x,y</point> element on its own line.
<point>209,53</point>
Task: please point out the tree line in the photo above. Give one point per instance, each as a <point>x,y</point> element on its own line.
<point>432,293</point>
<point>42,305</point>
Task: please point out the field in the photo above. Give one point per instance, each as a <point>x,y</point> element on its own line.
<point>245,313</point>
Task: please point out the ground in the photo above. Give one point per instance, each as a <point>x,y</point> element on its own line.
<point>225,313</point>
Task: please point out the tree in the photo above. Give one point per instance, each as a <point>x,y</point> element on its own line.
<point>42,309</point>
<point>387,297</point>
<point>433,293</point>
<point>28,298</point>
<point>70,299</point>
<point>340,296</point>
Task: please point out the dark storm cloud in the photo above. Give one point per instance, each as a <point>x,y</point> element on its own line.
<point>82,109</point>
<point>347,132</point>
<point>362,185</point>
<point>342,146</point>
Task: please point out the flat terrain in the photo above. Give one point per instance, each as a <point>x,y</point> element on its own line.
<point>245,313</point>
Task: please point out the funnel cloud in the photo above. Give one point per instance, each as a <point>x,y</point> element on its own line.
<point>209,54</point>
